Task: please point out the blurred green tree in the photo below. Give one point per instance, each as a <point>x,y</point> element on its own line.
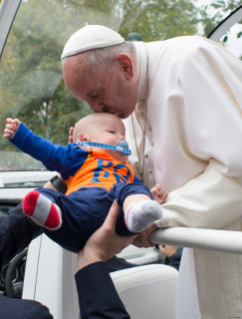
<point>31,84</point>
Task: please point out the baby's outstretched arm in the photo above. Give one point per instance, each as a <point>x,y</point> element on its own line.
<point>11,128</point>
<point>159,193</point>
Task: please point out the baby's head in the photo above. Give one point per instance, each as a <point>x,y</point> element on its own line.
<point>101,128</point>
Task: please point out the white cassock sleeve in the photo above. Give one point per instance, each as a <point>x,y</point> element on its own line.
<point>210,200</point>
<point>210,80</point>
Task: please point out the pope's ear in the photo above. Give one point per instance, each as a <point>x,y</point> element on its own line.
<point>125,64</point>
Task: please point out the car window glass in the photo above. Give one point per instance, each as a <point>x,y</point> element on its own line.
<point>232,40</point>
<point>31,83</point>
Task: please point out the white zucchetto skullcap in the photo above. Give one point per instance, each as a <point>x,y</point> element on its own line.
<point>91,37</point>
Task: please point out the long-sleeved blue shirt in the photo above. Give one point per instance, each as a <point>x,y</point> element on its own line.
<point>78,167</point>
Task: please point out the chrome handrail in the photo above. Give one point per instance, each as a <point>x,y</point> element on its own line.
<point>209,239</point>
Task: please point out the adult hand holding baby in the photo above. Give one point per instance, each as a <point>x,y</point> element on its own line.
<point>11,128</point>
<point>104,243</point>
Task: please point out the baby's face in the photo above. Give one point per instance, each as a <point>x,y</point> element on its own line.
<point>108,131</point>
<point>101,128</point>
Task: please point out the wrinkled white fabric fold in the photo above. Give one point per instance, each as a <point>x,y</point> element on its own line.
<point>210,200</point>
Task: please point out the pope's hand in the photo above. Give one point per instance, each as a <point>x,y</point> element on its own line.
<point>159,193</point>
<point>104,243</point>
<point>70,139</point>
<point>142,239</point>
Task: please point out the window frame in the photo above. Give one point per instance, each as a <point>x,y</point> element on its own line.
<point>8,11</point>
<point>225,25</point>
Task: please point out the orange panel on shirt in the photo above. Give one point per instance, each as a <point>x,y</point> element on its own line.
<point>100,170</point>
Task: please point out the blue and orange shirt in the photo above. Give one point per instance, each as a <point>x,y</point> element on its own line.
<point>78,167</point>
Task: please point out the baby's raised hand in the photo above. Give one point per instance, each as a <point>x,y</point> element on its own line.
<point>159,193</point>
<point>11,128</point>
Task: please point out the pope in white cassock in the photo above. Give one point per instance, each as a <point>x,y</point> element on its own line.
<point>185,133</point>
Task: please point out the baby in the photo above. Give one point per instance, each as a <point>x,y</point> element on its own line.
<point>96,175</point>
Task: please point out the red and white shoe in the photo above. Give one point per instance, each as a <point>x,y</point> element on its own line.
<point>42,210</point>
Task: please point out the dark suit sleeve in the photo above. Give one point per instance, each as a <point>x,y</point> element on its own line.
<point>38,311</point>
<point>14,308</point>
<point>174,260</point>
<point>16,233</point>
<point>115,263</point>
<point>98,297</point>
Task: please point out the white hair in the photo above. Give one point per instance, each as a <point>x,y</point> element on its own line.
<point>104,58</point>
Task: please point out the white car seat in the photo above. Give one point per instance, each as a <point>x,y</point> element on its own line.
<point>148,292</point>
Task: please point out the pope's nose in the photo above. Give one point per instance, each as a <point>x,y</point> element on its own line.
<point>97,107</point>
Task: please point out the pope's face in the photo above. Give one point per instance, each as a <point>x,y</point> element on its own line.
<point>113,93</point>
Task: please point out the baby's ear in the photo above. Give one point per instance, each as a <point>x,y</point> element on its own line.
<point>82,138</point>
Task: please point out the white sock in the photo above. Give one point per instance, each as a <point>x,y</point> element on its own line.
<point>140,215</point>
